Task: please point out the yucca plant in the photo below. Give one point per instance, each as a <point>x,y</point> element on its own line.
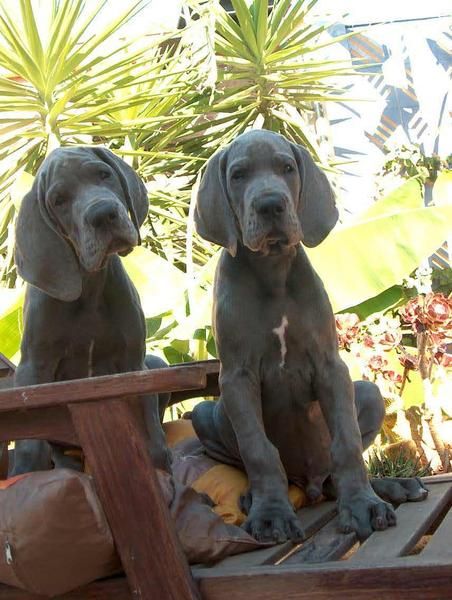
<point>64,79</point>
<point>269,72</point>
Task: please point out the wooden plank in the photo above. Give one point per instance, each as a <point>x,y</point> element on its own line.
<point>108,589</point>
<point>312,518</point>
<point>441,478</point>
<point>6,366</point>
<point>413,520</point>
<point>440,544</point>
<point>53,423</point>
<point>212,370</point>
<point>105,387</point>
<point>4,461</point>
<point>400,579</point>
<point>328,544</point>
<point>114,444</point>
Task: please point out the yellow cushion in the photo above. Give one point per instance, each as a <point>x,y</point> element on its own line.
<point>225,484</point>
<point>222,483</point>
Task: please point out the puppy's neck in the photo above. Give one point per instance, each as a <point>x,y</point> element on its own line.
<point>93,284</point>
<point>272,270</point>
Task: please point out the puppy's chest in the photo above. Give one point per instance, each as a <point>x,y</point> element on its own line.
<point>288,340</point>
<point>96,344</point>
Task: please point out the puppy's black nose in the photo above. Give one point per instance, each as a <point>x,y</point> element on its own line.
<point>102,215</point>
<point>270,206</point>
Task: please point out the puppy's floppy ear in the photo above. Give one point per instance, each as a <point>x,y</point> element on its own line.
<point>43,258</point>
<point>134,190</point>
<point>317,210</point>
<point>214,218</point>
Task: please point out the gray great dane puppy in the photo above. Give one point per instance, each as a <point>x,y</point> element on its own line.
<point>288,408</point>
<point>82,314</point>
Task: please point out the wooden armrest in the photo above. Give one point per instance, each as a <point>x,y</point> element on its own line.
<point>103,388</point>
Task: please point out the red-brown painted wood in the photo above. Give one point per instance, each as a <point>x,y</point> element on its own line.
<point>53,423</point>
<point>109,589</point>
<point>400,579</point>
<point>115,449</point>
<point>105,387</point>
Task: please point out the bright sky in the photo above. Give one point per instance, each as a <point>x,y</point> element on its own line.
<point>164,13</point>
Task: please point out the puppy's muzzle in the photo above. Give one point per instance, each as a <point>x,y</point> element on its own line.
<point>108,218</point>
<point>106,229</point>
<point>271,207</point>
<point>273,225</point>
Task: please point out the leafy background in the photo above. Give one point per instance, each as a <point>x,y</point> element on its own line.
<point>165,103</point>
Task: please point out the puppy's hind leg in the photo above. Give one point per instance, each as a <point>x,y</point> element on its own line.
<point>205,419</point>
<point>370,409</point>
<point>30,455</point>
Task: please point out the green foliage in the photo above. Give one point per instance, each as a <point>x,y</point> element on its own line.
<point>365,264</point>
<point>380,464</point>
<point>166,105</point>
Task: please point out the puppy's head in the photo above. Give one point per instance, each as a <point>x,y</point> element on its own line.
<point>266,193</point>
<point>85,204</point>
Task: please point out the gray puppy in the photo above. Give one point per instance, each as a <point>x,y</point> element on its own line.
<point>288,408</point>
<point>82,314</point>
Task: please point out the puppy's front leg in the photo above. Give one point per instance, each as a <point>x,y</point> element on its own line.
<point>271,516</point>
<point>158,450</point>
<point>31,455</point>
<point>360,509</point>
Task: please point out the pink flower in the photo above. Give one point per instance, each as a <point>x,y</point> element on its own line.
<point>368,341</point>
<point>377,362</point>
<point>438,311</point>
<point>347,327</point>
<point>391,339</point>
<point>412,311</point>
<point>392,376</point>
<point>441,357</point>
<point>409,361</point>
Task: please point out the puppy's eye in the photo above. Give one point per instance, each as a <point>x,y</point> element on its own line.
<point>288,168</point>
<point>238,174</point>
<point>104,174</point>
<point>59,201</point>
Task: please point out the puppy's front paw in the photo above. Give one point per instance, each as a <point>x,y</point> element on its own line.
<point>273,522</point>
<point>363,512</point>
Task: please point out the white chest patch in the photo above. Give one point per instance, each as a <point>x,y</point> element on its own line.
<point>281,333</point>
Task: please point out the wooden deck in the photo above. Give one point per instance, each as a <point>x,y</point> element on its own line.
<point>411,561</point>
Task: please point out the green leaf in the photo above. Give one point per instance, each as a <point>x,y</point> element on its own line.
<point>11,302</point>
<point>442,189</point>
<point>159,284</point>
<point>244,16</point>
<point>362,260</point>
<point>389,299</point>
<point>405,197</point>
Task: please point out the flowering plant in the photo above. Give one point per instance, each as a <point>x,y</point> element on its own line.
<point>425,321</point>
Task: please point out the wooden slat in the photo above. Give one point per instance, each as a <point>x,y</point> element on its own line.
<point>115,447</point>
<point>108,589</point>
<point>406,578</point>
<point>440,544</point>
<point>6,366</point>
<point>312,519</point>
<point>413,520</point>
<point>4,461</point>
<point>53,423</point>
<point>328,544</point>
<point>212,370</point>
<point>105,387</point>
<point>441,478</point>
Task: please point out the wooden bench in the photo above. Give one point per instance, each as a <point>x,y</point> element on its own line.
<point>99,414</point>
